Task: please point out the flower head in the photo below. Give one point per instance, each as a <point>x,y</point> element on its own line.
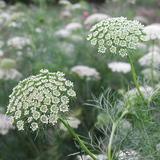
<point>120,67</point>
<point>116,35</point>
<point>152,32</point>
<point>38,100</point>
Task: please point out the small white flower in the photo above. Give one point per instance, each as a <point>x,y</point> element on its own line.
<point>64,99</point>
<point>71,93</point>
<point>55,100</point>
<point>43,108</point>
<point>54,109</point>
<point>20,125</point>
<point>53,118</point>
<point>63,107</point>
<point>44,119</point>
<point>34,126</point>
<point>36,115</point>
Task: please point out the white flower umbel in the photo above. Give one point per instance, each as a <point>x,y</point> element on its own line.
<point>120,67</point>
<point>4,125</point>
<point>10,74</point>
<point>73,26</point>
<point>86,72</point>
<point>146,91</point>
<point>116,35</point>
<point>147,74</point>
<point>62,33</point>
<point>147,59</point>
<point>38,100</point>
<point>130,155</point>
<point>87,157</point>
<point>152,32</point>
<point>18,42</point>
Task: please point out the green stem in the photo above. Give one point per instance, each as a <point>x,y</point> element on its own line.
<point>134,77</point>
<point>112,133</point>
<point>78,139</point>
<point>122,82</point>
<point>151,96</point>
<point>152,74</point>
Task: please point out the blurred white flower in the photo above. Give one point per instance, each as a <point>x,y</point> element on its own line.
<point>64,2</point>
<point>119,67</point>
<point>10,74</point>
<point>38,30</point>
<point>156,48</point>
<point>73,122</point>
<point>18,42</point>
<point>130,155</point>
<point>146,91</point>
<point>152,32</point>
<point>66,13</point>
<point>142,19</point>
<point>87,157</point>
<point>4,125</point>
<point>146,59</point>
<point>2,4</point>
<point>73,26</point>
<point>76,6</point>
<point>142,46</point>
<point>147,74</point>
<point>76,38</point>
<point>62,33</point>
<point>14,24</point>
<point>67,48</point>
<point>4,15</point>
<point>86,72</point>
<point>1,53</point>
<point>94,18</point>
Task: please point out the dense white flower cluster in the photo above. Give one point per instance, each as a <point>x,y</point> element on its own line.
<point>147,74</point>
<point>95,18</point>
<point>62,33</point>
<point>120,67</point>
<point>73,26</point>
<point>73,122</point>
<point>152,32</point>
<point>10,74</point>
<point>4,125</point>
<point>2,4</point>
<point>87,157</point>
<point>116,35</point>
<point>18,42</point>
<point>146,91</point>
<point>38,100</point>
<point>147,59</point>
<point>86,72</point>
<point>130,154</point>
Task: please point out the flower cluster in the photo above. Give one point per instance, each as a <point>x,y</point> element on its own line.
<point>120,67</point>
<point>86,72</point>
<point>4,125</point>
<point>18,42</point>
<point>117,35</point>
<point>152,32</point>
<point>38,100</point>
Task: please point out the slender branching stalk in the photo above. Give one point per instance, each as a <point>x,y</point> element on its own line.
<point>78,139</point>
<point>113,130</point>
<point>134,77</point>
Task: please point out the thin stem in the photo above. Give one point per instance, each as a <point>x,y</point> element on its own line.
<point>112,133</point>
<point>151,96</point>
<point>152,61</point>
<point>78,139</point>
<point>134,77</point>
